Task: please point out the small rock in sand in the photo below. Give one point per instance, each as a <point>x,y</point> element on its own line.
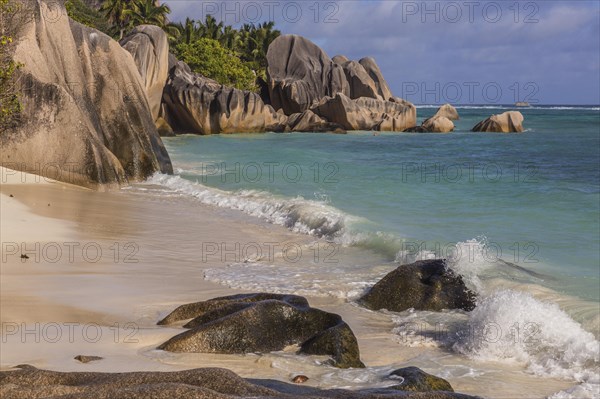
<point>299,379</point>
<point>87,359</point>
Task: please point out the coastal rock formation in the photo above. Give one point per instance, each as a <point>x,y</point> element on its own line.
<point>416,129</point>
<point>27,382</point>
<point>423,285</point>
<point>416,380</point>
<point>86,118</point>
<point>447,111</point>
<point>367,113</point>
<point>438,124</point>
<point>373,70</point>
<point>299,74</point>
<point>508,122</point>
<point>340,59</point>
<point>149,47</point>
<point>308,121</point>
<point>193,103</point>
<point>361,84</point>
<point>262,323</point>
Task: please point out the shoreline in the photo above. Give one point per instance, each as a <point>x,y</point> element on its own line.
<point>169,271</point>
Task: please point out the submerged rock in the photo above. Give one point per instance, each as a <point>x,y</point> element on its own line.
<point>149,47</point>
<point>262,323</point>
<point>299,74</point>
<point>193,103</point>
<point>507,122</point>
<point>416,380</point>
<point>423,285</point>
<point>366,113</point>
<point>27,382</point>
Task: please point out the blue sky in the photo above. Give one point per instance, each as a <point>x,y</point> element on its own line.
<point>463,52</point>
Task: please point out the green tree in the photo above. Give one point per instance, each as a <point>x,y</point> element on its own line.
<point>117,13</point>
<point>79,11</point>
<point>148,12</point>
<point>12,16</point>
<point>209,58</point>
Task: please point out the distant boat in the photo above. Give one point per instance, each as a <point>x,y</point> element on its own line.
<point>522,104</point>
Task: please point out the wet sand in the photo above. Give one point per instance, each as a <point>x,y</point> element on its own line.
<point>109,265</point>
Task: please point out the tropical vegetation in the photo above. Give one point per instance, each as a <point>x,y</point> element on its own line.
<point>11,13</point>
<point>231,56</point>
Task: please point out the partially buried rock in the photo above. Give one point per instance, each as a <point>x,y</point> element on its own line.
<point>415,379</point>
<point>508,122</point>
<point>27,382</point>
<point>423,285</point>
<point>262,323</point>
<point>87,359</point>
<point>299,379</point>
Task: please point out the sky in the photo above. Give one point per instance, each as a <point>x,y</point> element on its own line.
<point>430,52</point>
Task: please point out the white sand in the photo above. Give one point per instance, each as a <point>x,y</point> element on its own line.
<point>142,258</point>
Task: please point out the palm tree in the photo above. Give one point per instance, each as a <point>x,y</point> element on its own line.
<point>116,12</point>
<point>149,12</point>
<point>210,28</point>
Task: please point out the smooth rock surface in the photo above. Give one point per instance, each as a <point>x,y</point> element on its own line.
<point>507,122</point>
<point>299,74</point>
<point>373,70</point>
<point>149,46</point>
<point>361,84</point>
<point>86,118</point>
<point>262,323</point>
<point>438,124</point>
<point>448,111</point>
<point>193,103</point>
<point>423,285</point>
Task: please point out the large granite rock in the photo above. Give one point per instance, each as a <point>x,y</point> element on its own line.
<point>360,82</point>
<point>448,111</point>
<point>193,103</point>
<point>438,124</point>
<point>366,113</point>
<point>262,323</point>
<point>27,382</point>
<point>416,380</point>
<point>86,118</point>
<point>508,122</point>
<point>373,70</point>
<point>300,74</point>
<point>423,285</point>
<point>149,46</point>
<point>308,121</point>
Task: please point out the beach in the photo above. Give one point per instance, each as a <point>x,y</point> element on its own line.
<point>108,305</point>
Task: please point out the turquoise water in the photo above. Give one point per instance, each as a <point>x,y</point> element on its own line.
<point>534,198</point>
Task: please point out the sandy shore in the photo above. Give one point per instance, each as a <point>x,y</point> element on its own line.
<point>104,267</point>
